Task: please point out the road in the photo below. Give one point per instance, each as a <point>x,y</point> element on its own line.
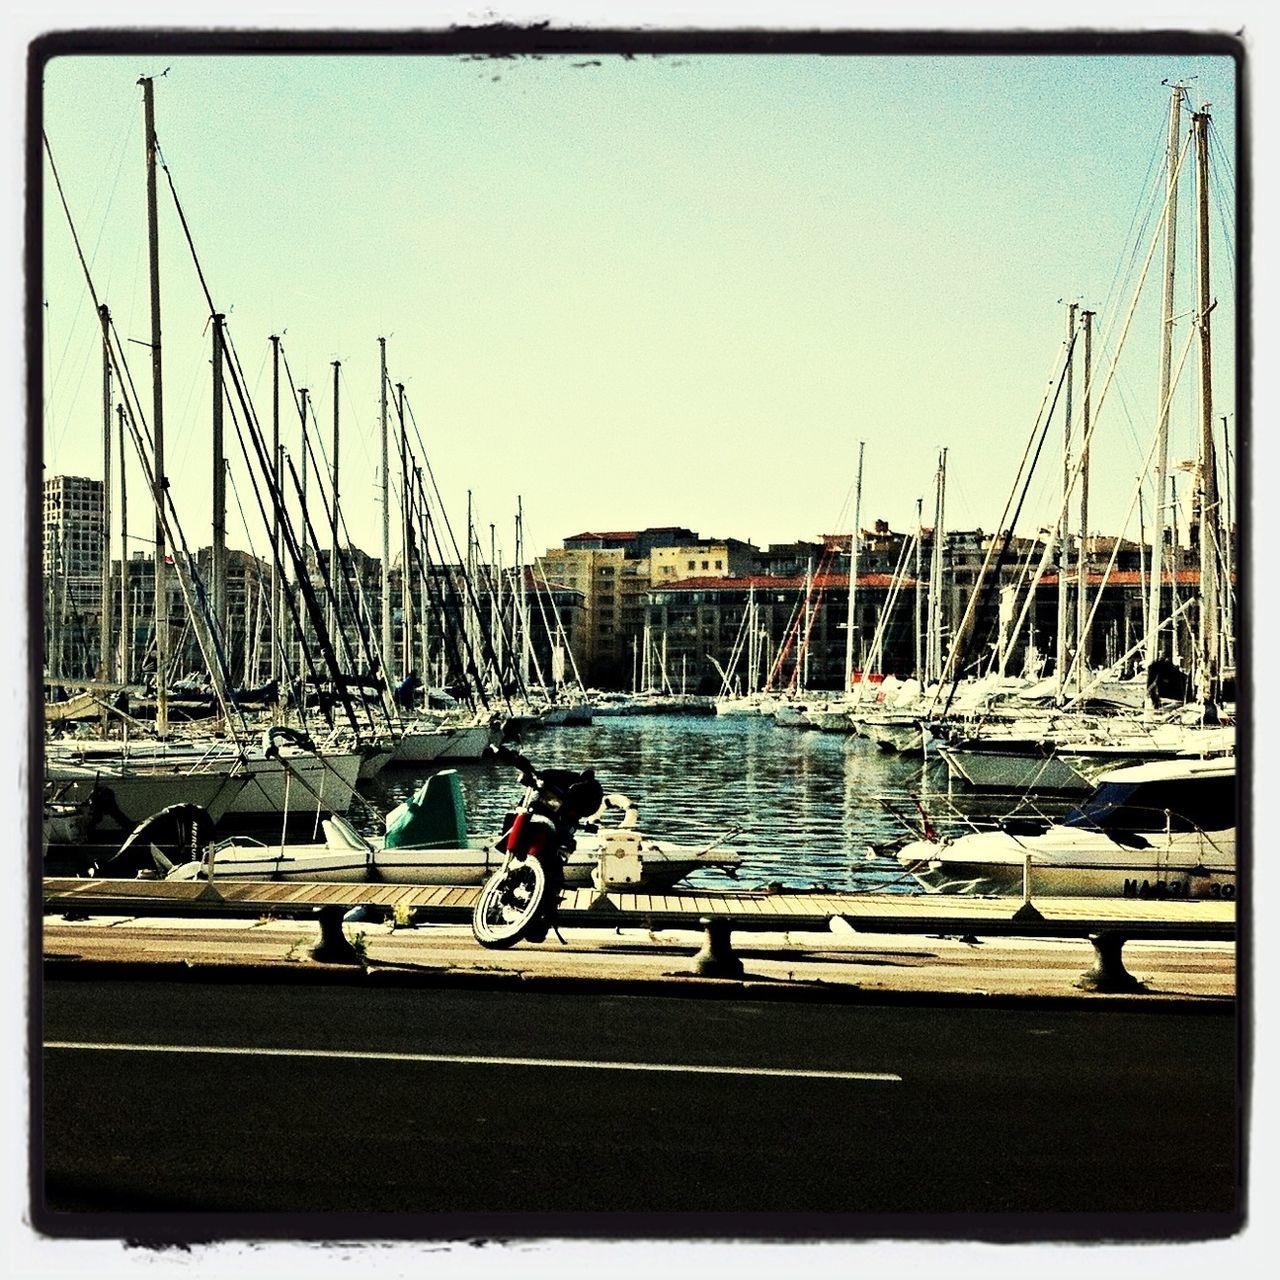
<point>295,1098</point>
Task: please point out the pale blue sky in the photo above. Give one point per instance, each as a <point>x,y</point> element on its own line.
<point>657,291</point>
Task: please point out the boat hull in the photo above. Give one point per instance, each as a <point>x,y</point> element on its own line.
<point>1069,863</point>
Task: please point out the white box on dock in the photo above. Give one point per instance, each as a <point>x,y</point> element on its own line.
<point>620,862</point>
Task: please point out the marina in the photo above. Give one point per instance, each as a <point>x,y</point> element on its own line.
<point>379,669</point>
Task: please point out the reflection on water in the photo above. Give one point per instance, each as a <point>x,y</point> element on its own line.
<point>808,803</point>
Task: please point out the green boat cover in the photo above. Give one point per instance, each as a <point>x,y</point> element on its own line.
<point>435,818</point>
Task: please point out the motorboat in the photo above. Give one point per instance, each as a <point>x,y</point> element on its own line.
<point>426,841</point>
<point>1162,830</point>
<point>1068,759</point>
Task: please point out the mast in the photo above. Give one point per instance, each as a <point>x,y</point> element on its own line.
<point>218,552</point>
<point>1208,468</point>
<point>523,599</point>
<point>305,537</point>
<point>920,672</point>
<point>335,619</point>
<point>406,544</point>
<point>1063,647</point>
<point>157,417</point>
<point>934,655</point>
<point>126,623</point>
<point>386,510</point>
<point>1228,553</point>
<point>276,584</point>
<point>1166,361</point>
<point>851,626</point>
<point>803,673</point>
<point>1082,556</point>
<point>424,589</point>
<point>106,660</point>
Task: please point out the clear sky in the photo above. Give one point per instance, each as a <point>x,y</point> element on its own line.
<point>657,291</point>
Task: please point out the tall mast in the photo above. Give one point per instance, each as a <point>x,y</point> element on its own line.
<point>468,571</point>
<point>424,588</point>
<point>157,417</point>
<point>524,602</point>
<point>1208,469</point>
<point>304,523</point>
<point>934,657</point>
<point>1082,556</point>
<point>803,673</point>
<point>106,660</point>
<point>126,623</point>
<point>1166,363</point>
<point>1060,673</point>
<point>386,510</point>
<point>335,577</point>
<point>406,545</point>
<point>218,552</point>
<point>920,671</point>
<point>1228,552</point>
<point>276,584</point>
<point>851,625</point>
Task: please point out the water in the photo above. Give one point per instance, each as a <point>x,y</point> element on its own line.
<point>808,803</point>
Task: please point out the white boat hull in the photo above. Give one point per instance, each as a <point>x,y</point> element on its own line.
<point>1067,862</point>
<point>338,861</point>
<point>139,794</point>
<point>465,742</point>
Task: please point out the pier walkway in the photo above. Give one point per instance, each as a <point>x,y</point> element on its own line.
<point>811,931</point>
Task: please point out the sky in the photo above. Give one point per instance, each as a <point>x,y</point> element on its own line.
<point>650,291</point>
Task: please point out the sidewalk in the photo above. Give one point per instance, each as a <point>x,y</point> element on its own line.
<point>839,965</point>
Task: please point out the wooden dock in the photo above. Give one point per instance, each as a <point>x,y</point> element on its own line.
<point>759,910</point>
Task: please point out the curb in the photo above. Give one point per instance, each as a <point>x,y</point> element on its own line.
<point>676,985</point>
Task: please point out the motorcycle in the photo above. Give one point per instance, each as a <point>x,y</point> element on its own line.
<point>518,902</point>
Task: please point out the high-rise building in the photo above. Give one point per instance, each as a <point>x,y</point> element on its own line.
<point>74,537</point>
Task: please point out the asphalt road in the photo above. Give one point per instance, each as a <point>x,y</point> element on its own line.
<point>292,1099</point>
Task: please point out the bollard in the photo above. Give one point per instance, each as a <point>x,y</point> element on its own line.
<point>333,947</point>
<point>1027,911</point>
<point>1108,973</point>
<point>716,959</point>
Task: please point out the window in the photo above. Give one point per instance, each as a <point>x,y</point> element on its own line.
<point>706,564</point>
<point>693,564</point>
<point>719,564</point>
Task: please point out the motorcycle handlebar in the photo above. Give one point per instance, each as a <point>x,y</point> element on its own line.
<point>529,775</point>
<point>515,760</point>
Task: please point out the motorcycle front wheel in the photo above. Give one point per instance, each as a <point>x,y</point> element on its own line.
<point>511,904</point>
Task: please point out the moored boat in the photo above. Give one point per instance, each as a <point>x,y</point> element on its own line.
<point>1164,830</point>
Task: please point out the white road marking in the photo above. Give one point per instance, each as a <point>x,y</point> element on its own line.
<point>359,1055</point>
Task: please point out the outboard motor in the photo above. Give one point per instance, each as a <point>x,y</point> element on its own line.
<point>177,834</point>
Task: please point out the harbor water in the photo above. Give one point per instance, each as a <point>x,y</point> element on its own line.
<point>800,807</point>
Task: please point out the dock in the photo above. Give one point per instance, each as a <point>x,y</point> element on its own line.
<point>1107,923</point>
